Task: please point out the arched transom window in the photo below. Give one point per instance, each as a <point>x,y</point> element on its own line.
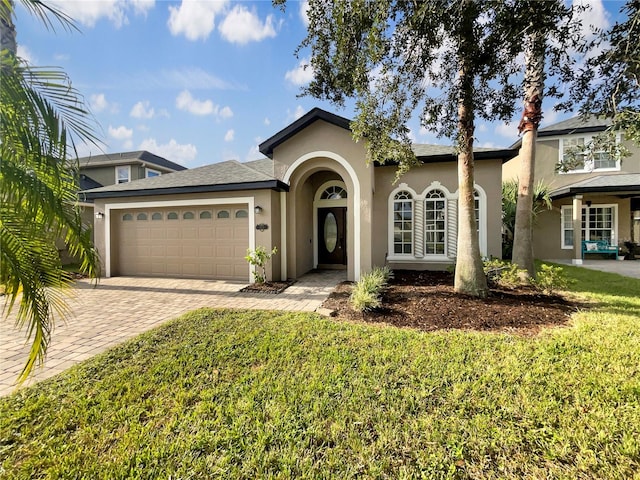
<point>334,192</point>
<point>402,223</point>
<point>435,225</point>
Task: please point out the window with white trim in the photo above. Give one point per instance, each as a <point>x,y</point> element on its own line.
<point>402,223</point>
<point>123,174</point>
<point>588,159</point>
<point>435,225</point>
<point>598,223</point>
<point>150,172</point>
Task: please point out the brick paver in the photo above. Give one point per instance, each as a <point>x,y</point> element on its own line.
<point>120,308</point>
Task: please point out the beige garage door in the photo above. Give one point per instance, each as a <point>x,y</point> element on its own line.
<point>199,242</point>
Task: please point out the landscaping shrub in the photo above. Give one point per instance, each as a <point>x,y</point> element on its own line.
<point>503,273</point>
<point>550,279</point>
<point>259,258</point>
<point>366,292</point>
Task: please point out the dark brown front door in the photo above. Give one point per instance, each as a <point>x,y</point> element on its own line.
<point>332,236</point>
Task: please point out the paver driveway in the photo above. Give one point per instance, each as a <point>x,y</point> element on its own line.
<point>123,307</point>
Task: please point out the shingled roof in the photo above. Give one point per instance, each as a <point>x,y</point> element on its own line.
<point>223,176</point>
<point>620,184</point>
<point>576,125</point>
<point>139,156</point>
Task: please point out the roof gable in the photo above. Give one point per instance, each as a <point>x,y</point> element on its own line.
<point>266,147</point>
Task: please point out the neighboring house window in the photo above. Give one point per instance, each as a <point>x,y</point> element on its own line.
<point>223,214</point>
<point>172,216</point>
<point>123,174</point>
<point>598,223</point>
<point>204,215</point>
<point>242,214</point>
<point>150,172</point>
<point>402,223</point>
<point>127,217</point>
<point>141,216</point>
<point>188,216</point>
<point>435,228</point>
<point>156,216</point>
<point>588,160</point>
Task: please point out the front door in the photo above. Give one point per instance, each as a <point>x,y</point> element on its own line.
<point>332,236</point>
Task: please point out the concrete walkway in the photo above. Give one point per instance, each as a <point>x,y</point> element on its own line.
<point>120,308</point>
<point>628,268</point>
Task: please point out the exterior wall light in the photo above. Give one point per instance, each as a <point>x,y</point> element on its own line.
<point>99,215</point>
<point>258,209</point>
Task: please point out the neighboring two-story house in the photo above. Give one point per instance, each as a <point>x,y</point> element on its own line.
<point>112,169</point>
<point>604,189</point>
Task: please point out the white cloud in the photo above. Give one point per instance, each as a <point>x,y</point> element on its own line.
<point>508,130</point>
<point>62,57</point>
<point>142,109</point>
<point>173,151</point>
<point>304,12</point>
<point>300,75</point>
<point>226,112</point>
<point>481,127</point>
<point>228,137</point>
<point>296,114</point>
<point>89,12</point>
<point>120,133</point>
<point>128,145</point>
<point>26,54</point>
<point>254,151</point>
<point>194,19</point>
<point>488,145</point>
<point>243,26</point>
<point>186,102</point>
<point>267,122</point>
<point>98,102</point>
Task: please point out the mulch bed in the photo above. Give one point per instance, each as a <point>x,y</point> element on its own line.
<point>267,287</point>
<point>426,301</point>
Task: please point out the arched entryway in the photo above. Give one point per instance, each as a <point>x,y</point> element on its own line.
<point>322,227</point>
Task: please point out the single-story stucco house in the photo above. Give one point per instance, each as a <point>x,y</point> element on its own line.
<point>313,196</point>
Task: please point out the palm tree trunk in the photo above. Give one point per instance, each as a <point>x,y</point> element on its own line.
<point>469,276</point>
<point>7,28</point>
<point>531,116</point>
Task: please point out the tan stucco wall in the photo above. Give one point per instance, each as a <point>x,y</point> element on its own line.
<point>547,159</point>
<point>267,199</point>
<point>487,176</point>
<point>324,137</point>
<point>547,237</point>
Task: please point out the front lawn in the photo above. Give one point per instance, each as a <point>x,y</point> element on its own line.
<point>223,394</point>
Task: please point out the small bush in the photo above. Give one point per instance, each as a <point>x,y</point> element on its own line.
<point>550,279</point>
<point>259,258</point>
<point>503,273</point>
<point>366,293</point>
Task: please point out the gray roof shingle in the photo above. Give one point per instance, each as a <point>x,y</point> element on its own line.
<point>141,156</point>
<point>579,124</point>
<point>220,174</point>
<point>621,182</point>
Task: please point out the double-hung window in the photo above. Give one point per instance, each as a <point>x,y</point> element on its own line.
<point>402,223</point>
<point>585,155</point>
<point>435,225</point>
<point>123,174</point>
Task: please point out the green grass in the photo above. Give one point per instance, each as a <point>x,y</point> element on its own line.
<point>222,394</point>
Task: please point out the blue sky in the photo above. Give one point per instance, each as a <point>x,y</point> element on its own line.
<point>198,82</point>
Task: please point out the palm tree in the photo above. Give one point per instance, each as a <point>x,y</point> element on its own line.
<point>540,201</point>
<point>41,118</point>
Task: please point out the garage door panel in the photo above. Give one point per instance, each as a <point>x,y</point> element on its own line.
<point>167,244</point>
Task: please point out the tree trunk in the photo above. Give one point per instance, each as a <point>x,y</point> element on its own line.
<point>7,28</point>
<point>469,277</point>
<point>531,116</point>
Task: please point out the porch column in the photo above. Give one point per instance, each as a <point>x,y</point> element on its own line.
<point>577,230</point>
